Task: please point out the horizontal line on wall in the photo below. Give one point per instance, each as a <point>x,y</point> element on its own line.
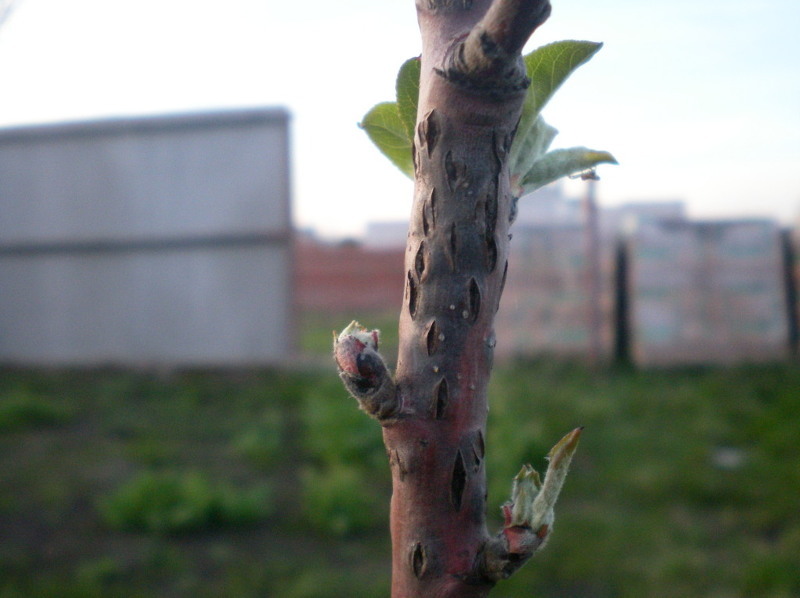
<point>190,242</point>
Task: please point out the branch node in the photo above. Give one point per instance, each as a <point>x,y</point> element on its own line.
<point>488,60</point>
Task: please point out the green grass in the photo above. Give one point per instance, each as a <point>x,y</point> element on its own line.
<point>174,503</point>
<point>23,407</point>
<point>264,483</point>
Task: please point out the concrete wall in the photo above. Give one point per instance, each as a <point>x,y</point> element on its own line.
<point>162,240</point>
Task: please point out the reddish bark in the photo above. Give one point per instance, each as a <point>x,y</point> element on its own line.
<point>434,412</point>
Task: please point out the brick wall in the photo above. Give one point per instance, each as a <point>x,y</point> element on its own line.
<point>347,278</point>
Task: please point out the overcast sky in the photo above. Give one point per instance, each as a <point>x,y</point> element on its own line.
<point>698,100</point>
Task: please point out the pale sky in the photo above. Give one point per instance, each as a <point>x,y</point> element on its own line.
<point>698,99</point>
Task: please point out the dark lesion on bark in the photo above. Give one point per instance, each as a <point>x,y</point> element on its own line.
<point>477,451</point>
<point>420,261</point>
<point>433,338</point>
<point>473,301</point>
<point>428,131</point>
<point>412,294</point>
<point>419,560</point>
<point>458,481</point>
<point>441,396</point>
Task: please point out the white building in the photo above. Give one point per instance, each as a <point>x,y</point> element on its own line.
<point>159,240</point>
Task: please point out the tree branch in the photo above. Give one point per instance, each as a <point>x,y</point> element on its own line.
<point>489,58</point>
<point>509,23</point>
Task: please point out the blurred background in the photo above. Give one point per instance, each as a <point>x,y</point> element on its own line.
<point>187,209</point>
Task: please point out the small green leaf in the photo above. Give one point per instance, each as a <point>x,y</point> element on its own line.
<point>387,131</point>
<point>561,162</point>
<point>531,147</point>
<point>547,67</point>
<point>533,500</point>
<point>560,457</point>
<point>525,489</point>
<point>408,93</point>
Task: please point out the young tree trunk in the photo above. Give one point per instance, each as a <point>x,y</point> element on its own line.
<point>471,93</point>
<point>472,87</point>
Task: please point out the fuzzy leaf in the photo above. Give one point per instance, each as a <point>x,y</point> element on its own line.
<point>525,489</point>
<point>385,128</point>
<point>547,68</point>
<point>561,162</point>
<point>408,94</point>
<point>560,457</point>
<point>531,148</point>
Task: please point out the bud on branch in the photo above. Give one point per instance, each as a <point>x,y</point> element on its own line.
<point>529,515</point>
<point>364,372</point>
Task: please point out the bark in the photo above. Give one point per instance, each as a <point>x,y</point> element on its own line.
<point>471,91</point>
<point>434,410</point>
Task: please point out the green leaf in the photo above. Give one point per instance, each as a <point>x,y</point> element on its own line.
<point>562,162</point>
<point>386,129</point>
<point>547,67</point>
<point>560,457</point>
<point>408,94</point>
<point>531,148</point>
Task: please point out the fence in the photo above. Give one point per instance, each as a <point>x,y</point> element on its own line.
<point>673,292</point>
<point>707,292</point>
<point>546,307</point>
